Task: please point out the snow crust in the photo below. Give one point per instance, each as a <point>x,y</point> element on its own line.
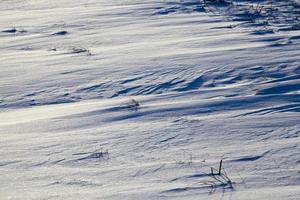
<point>139,99</point>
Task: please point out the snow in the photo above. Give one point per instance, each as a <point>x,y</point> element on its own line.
<point>139,99</point>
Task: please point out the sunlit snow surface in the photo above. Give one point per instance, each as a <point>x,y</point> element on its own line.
<point>208,86</point>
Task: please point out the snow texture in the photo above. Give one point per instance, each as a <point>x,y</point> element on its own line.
<point>140,99</point>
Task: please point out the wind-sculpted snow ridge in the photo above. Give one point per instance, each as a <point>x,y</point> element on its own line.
<point>264,16</point>
<point>140,99</point>
<point>162,150</point>
<point>102,50</point>
<point>96,53</point>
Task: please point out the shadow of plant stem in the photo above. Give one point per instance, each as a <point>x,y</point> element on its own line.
<point>220,179</point>
<point>265,12</point>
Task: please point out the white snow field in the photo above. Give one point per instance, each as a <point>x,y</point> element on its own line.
<point>135,99</point>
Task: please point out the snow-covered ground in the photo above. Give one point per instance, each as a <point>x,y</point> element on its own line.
<point>139,99</point>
